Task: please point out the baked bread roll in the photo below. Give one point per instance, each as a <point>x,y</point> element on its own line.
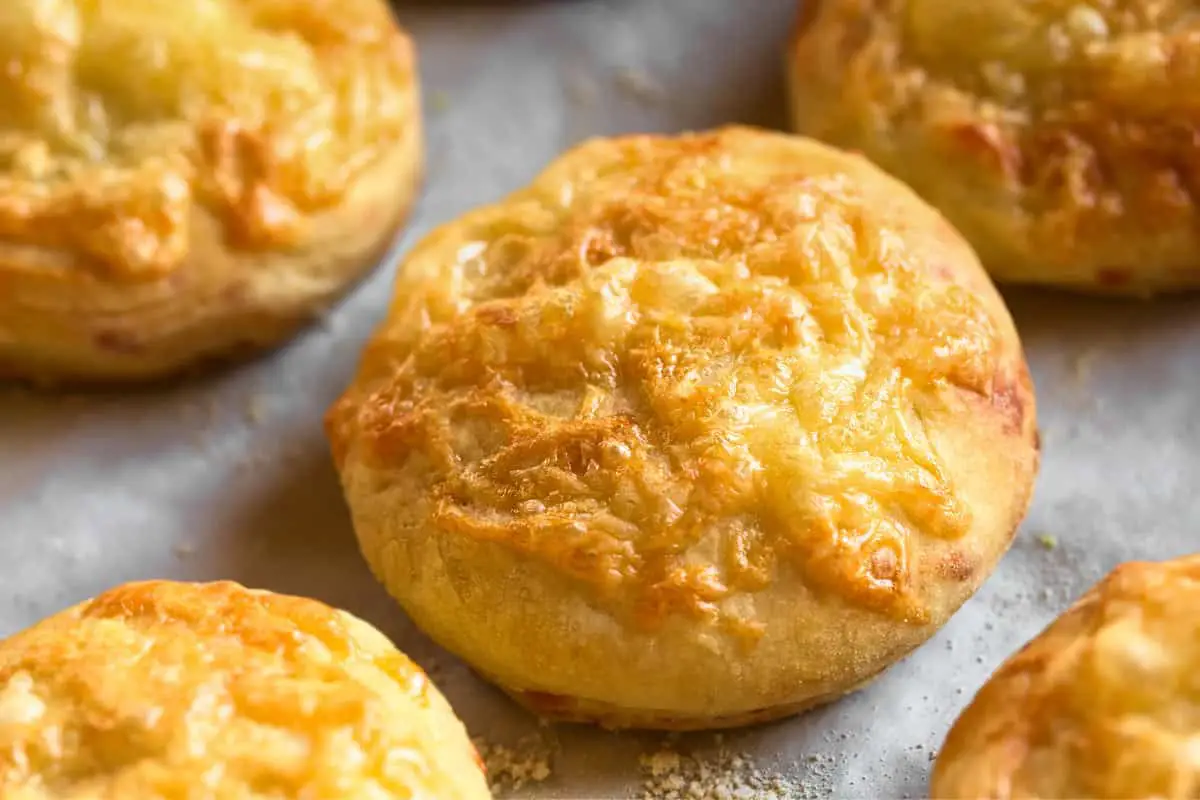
<point>165,689</point>
<point>1058,135</point>
<point>692,432</point>
<point>183,180</point>
<point>1103,703</point>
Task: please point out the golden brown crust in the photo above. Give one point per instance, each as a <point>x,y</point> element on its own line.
<point>1059,137</point>
<point>707,393</point>
<point>1104,703</point>
<point>177,179</point>
<point>163,690</point>
<point>565,708</point>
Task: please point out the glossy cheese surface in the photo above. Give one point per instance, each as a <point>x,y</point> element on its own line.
<point>1104,703</point>
<point>1058,135</point>
<point>673,370</point>
<point>166,690</point>
<point>121,116</point>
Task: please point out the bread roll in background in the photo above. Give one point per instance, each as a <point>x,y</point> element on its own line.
<point>1057,135</point>
<point>181,182</point>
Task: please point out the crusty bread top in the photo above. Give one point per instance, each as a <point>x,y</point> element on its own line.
<point>676,368</point>
<point>1059,136</point>
<point>121,116</point>
<point>1104,703</point>
<point>163,690</point>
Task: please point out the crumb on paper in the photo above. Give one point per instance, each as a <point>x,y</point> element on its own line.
<point>670,775</point>
<point>638,84</point>
<point>581,89</point>
<point>256,409</point>
<point>184,550</point>
<point>661,763</point>
<point>439,101</point>
<point>1047,541</point>
<point>510,769</point>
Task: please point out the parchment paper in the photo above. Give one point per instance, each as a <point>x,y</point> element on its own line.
<point>228,476</point>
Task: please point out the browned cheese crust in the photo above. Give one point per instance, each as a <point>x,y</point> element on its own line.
<point>181,180</point>
<point>690,432</point>
<point>1060,136</point>
<point>1105,703</point>
<point>169,691</point>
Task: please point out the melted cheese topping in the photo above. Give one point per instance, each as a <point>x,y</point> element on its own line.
<point>165,690</point>
<point>672,370</point>
<point>1107,73</point>
<point>1064,119</point>
<point>120,116</point>
<point>1104,703</point>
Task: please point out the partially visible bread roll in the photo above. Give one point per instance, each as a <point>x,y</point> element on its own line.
<point>1104,703</point>
<point>1058,135</point>
<point>184,181</point>
<point>171,690</point>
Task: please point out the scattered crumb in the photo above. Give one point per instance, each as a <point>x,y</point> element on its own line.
<point>638,84</point>
<point>511,768</point>
<point>184,550</point>
<point>581,90</point>
<point>439,101</point>
<point>1047,541</point>
<point>669,775</point>
<point>255,409</point>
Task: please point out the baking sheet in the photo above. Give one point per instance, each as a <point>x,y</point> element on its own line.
<point>228,476</point>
